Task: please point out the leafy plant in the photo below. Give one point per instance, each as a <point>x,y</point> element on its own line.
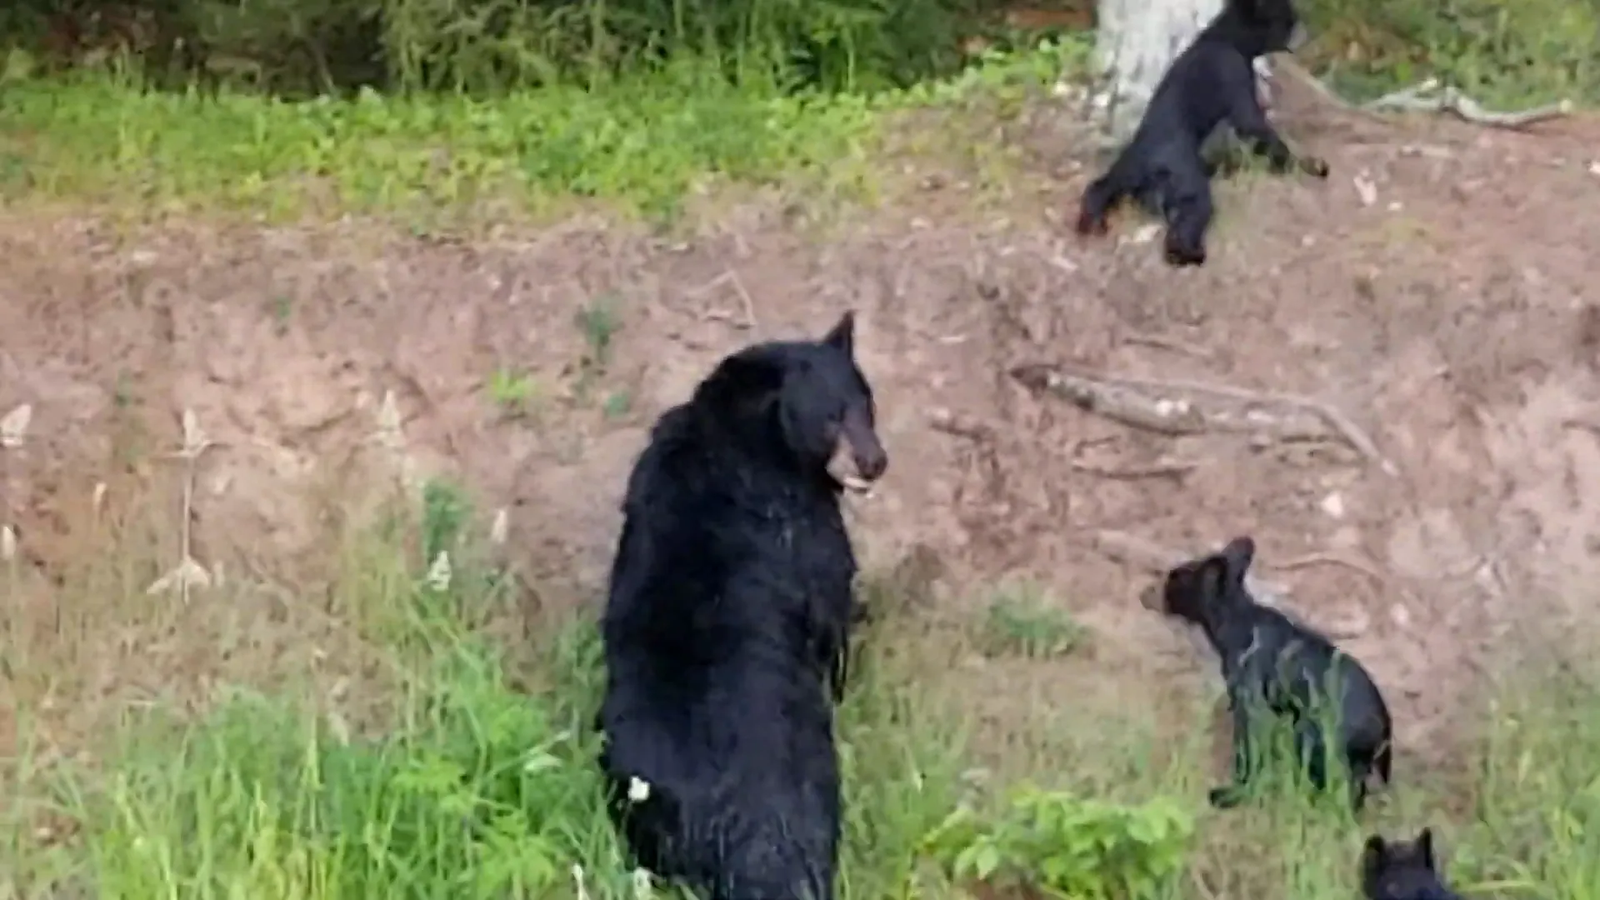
<point>1067,846</point>
<point>1020,621</point>
<point>511,391</point>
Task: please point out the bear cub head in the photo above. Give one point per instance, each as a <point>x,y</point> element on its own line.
<point>1402,870</point>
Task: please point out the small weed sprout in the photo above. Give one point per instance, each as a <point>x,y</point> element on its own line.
<point>513,392</point>
<point>1021,621</point>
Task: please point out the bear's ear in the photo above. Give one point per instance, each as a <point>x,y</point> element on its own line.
<point>1374,858</point>
<point>1424,844</point>
<point>843,335</point>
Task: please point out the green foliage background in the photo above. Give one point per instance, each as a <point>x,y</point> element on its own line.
<point>302,47</point>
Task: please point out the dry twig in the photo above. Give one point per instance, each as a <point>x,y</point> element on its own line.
<point>188,573</point>
<point>1141,339</point>
<point>1332,559</point>
<point>1166,468</point>
<point>1445,99</point>
<point>1448,99</point>
<point>730,277</point>
<point>1128,400</point>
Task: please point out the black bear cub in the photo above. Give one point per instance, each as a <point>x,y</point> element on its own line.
<point>1274,666</point>
<point>1402,870</point>
<point>727,626</point>
<point>1210,82</point>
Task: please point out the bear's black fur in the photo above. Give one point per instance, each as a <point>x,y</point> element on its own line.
<point>729,620</point>
<point>1274,665</point>
<point>1402,870</point>
<point>1212,81</point>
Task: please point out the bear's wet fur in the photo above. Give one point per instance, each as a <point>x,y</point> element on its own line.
<point>1212,81</point>
<point>1275,666</point>
<point>727,627</point>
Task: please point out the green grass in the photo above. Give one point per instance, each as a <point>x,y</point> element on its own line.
<point>1504,53</point>
<point>478,779</point>
<point>470,787</point>
<point>643,144</point>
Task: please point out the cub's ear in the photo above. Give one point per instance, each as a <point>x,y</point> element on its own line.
<point>1374,857</point>
<point>843,335</point>
<point>1238,555</point>
<point>1424,844</point>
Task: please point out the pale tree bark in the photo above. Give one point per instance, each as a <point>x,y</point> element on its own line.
<point>1137,40</point>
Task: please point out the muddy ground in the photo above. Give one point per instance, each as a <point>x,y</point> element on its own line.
<point>1452,319</point>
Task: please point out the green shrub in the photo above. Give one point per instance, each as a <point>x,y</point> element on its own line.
<point>304,47</point>
<point>647,144</point>
<point>1069,846</point>
<point>1502,52</point>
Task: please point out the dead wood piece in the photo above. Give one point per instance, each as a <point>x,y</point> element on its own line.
<point>1122,405</point>
<point>1127,400</point>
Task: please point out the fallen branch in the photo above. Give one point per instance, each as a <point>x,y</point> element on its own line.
<point>1448,99</point>
<point>1128,401</point>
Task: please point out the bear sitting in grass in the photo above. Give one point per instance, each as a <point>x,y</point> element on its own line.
<point>1276,667</point>
<point>1211,82</point>
<point>729,620</point>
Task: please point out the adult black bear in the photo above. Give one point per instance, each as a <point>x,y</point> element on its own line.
<point>1210,82</point>
<point>1402,870</point>
<point>729,615</point>
<point>1275,666</point>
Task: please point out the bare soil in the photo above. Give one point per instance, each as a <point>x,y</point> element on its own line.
<point>1453,319</point>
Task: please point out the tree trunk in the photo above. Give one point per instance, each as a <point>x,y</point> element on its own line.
<point>1137,40</point>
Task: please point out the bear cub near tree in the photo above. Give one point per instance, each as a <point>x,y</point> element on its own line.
<point>1402,870</point>
<point>726,632</point>
<point>1276,667</point>
<point>1211,82</point>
